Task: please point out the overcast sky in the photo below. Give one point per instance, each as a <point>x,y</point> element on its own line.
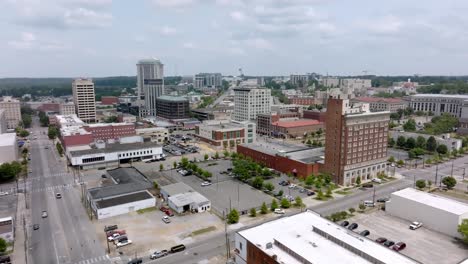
<point>70,38</point>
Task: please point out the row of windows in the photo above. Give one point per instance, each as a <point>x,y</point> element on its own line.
<point>364,171</point>
<point>363,159</point>
<point>89,160</point>
<point>135,153</point>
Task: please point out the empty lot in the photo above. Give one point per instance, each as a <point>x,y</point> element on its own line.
<point>423,245</point>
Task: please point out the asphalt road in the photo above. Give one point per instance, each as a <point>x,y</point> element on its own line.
<point>66,235</point>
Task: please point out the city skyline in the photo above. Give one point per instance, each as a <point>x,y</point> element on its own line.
<point>263,37</point>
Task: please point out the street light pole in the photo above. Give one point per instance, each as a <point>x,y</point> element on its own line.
<point>437,171</point>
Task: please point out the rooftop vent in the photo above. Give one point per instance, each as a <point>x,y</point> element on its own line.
<point>269,245</point>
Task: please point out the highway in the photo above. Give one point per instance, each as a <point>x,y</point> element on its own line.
<point>66,235</point>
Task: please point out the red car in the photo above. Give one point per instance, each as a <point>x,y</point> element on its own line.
<point>120,232</point>
<point>381,240</point>
<point>399,246</point>
<point>167,210</point>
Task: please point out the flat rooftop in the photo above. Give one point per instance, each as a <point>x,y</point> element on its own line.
<point>183,199</point>
<point>295,152</point>
<point>115,147</point>
<point>7,139</point>
<point>176,188</point>
<point>300,234</point>
<point>127,198</point>
<point>69,120</point>
<point>454,96</point>
<point>73,130</point>
<point>439,202</point>
<point>172,98</point>
<point>297,123</point>
<point>108,124</point>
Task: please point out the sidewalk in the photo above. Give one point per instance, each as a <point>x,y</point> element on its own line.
<point>20,247</point>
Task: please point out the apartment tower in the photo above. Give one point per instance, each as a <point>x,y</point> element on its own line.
<point>356,141</point>
<point>249,102</point>
<point>12,108</point>
<point>84,99</point>
<point>150,84</point>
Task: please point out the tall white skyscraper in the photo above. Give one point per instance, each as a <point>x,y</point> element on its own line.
<point>84,99</point>
<point>249,102</point>
<point>150,83</point>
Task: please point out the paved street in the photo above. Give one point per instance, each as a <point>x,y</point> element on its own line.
<point>66,235</point>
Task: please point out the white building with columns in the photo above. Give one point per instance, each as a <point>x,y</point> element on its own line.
<point>438,103</point>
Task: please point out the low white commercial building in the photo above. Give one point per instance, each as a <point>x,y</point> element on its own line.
<point>182,198</point>
<point>8,148</point>
<point>437,213</point>
<point>126,192</point>
<point>7,229</point>
<point>438,103</point>
<point>154,134</point>
<point>307,238</point>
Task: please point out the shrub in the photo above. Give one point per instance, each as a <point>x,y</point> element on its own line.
<point>264,208</point>
<point>233,216</point>
<point>285,203</point>
<point>253,212</point>
<point>274,205</point>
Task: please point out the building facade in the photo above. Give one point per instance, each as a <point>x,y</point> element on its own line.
<point>12,110</point>
<point>249,102</point>
<point>110,131</point>
<point>331,82</point>
<point>150,85</point>
<point>207,80</point>
<point>302,100</point>
<point>355,83</point>
<point>438,103</point>
<point>109,100</point>
<point>382,104</point>
<point>8,148</point>
<point>3,122</point>
<point>356,141</point>
<point>315,114</point>
<point>295,128</point>
<point>67,109</point>
<point>299,80</point>
<point>154,134</point>
<point>172,107</point>
<point>84,99</point>
<point>226,134</point>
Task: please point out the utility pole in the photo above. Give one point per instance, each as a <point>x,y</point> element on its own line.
<point>226,234</point>
<point>464,173</point>
<point>373,196</point>
<point>451,173</point>
<point>437,171</point>
<point>108,247</point>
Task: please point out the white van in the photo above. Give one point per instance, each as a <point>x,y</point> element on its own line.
<point>369,203</point>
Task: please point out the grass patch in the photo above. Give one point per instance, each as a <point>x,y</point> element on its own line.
<point>212,164</point>
<point>459,195</point>
<point>203,230</point>
<point>146,210</point>
<point>342,192</point>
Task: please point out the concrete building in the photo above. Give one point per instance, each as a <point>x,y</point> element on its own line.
<point>172,107</point>
<point>444,139</point>
<point>67,109</point>
<point>249,102</point>
<point>306,238</point>
<point>67,121</point>
<point>124,192</point>
<point>265,121</point>
<point>298,160</point>
<point>331,82</point>
<point>225,133</point>
<point>111,155</point>
<point>297,128</point>
<point>355,83</point>
<point>8,148</point>
<point>126,118</point>
<point>382,104</point>
<point>150,85</point>
<point>75,136</point>
<point>315,114</point>
<point>218,113</point>
<point>3,122</point>
<point>438,103</point>
<point>105,131</point>
<point>356,141</point>
<point>154,134</point>
<point>7,229</point>
<point>302,100</point>
<point>463,121</point>
<point>182,198</point>
<point>84,99</point>
<point>299,80</point>
<point>207,80</point>
<point>12,110</point>
<point>438,213</point>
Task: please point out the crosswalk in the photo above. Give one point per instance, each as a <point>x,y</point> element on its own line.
<point>98,260</point>
<point>53,188</point>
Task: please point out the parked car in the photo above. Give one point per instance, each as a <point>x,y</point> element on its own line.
<point>388,243</point>
<point>120,232</point>
<point>110,228</point>
<point>415,225</point>
<point>120,239</point>
<point>205,183</point>
<point>135,261</point>
<point>364,233</point>
<point>302,190</point>
<point>353,226</point>
<point>58,195</point>
<point>177,248</point>
<point>123,243</point>
<point>116,236</point>
<point>344,223</point>
<point>279,211</point>
<point>381,240</point>
<point>368,185</point>
<point>377,180</point>
<point>369,203</point>
<point>310,193</point>
<point>166,219</point>
<point>3,193</point>
<point>382,200</point>
<point>159,254</point>
<point>44,214</point>
<point>399,246</point>
<point>292,186</point>
<point>35,226</point>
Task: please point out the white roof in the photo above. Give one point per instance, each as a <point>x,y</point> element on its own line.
<point>107,124</point>
<point>182,199</point>
<point>8,139</point>
<point>439,202</point>
<point>296,233</point>
<point>460,96</point>
<point>73,130</point>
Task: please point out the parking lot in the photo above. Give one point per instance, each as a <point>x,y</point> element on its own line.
<point>423,245</point>
<point>149,233</point>
<point>225,192</point>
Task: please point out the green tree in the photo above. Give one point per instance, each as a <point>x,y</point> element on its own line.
<point>362,207</point>
<point>206,157</point>
<point>400,163</point>
<point>391,142</point>
<point>23,133</point>
<point>233,216</point>
<point>421,142</point>
<point>174,164</point>
<point>410,125</point>
<point>454,153</point>
<point>391,159</point>
<point>264,208</point>
<point>52,132</point>
<point>442,149</point>
<point>358,180</point>
<point>3,245</point>
<point>27,120</point>
<point>226,154</point>
<point>216,156</point>
<point>431,144</point>
<point>401,141</point>
<point>280,193</point>
<point>320,195</point>
<point>274,205</point>
<point>155,185</point>
<point>253,212</point>
<point>449,181</point>
<point>298,201</point>
<point>410,143</point>
<point>111,119</point>
<point>421,184</point>
<point>184,162</point>
<point>269,186</point>
<point>257,182</point>
<point>351,210</point>
<point>309,143</point>
<point>161,167</point>
<point>463,230</point>
<point>59,148</point>
<point>329,193</point>
<point>309,181</point>
<point>285,203</point>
